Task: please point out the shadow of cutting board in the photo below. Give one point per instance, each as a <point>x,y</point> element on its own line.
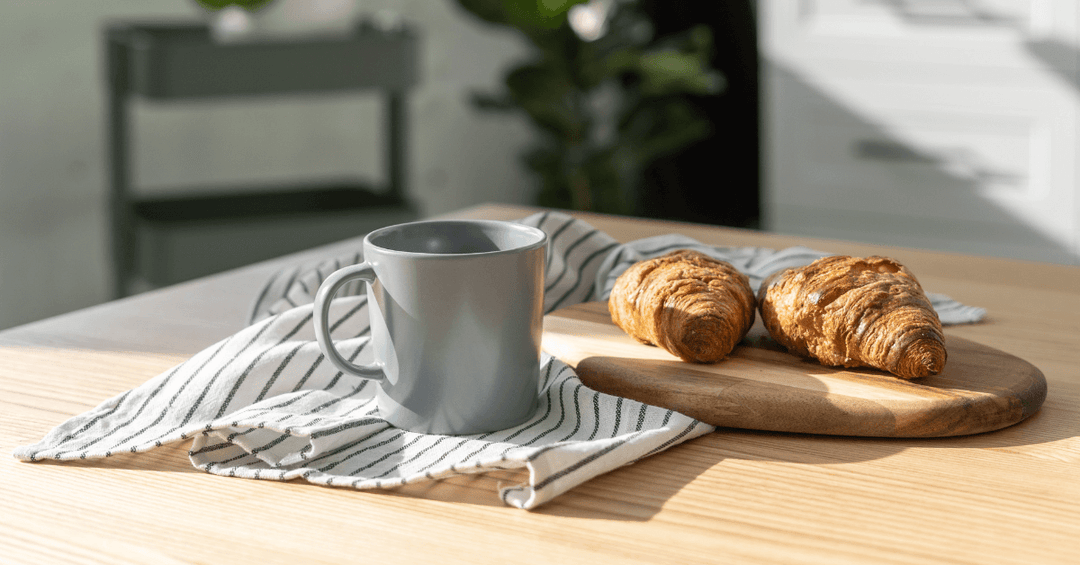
<point>760,386</point>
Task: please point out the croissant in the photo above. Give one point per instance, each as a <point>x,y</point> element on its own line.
<point>695,307</point>
<point>851,312</point>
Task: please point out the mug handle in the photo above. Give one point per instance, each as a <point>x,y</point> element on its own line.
<point>329,287</point>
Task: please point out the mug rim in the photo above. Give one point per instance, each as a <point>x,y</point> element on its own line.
<point>540,235</point>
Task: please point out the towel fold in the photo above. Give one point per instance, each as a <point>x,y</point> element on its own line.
<point>264,403</point>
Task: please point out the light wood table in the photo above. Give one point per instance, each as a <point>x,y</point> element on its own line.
<point>1011,496</point>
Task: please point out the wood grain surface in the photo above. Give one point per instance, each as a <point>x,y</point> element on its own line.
<point>735,496</point>
<point>760,386</point>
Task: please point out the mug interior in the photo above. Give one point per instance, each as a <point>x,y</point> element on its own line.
<point>455,237</point>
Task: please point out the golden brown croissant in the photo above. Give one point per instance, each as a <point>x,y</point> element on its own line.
<point>693,306</point>
<point>850,312</point>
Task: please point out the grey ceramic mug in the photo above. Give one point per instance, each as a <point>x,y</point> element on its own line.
<point>456,310</point>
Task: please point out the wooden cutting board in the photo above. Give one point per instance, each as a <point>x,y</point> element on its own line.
<point>760,386</point>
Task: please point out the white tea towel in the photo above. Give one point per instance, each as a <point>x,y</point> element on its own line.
<point>264,404</point>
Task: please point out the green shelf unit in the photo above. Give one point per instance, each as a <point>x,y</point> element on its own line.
<point>160,239</point>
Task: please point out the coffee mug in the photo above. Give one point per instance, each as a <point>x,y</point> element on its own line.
<point>456,309</point>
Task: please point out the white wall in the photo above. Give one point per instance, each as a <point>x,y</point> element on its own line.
<point>899,126</point>
<point>53,226</point>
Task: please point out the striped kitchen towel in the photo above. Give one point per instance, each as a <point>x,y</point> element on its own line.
<point>264,404</point>
<point>583,264</point>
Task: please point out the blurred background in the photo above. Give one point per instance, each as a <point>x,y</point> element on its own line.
<point>942,124</point>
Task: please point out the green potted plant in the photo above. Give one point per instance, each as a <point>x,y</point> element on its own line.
<point>606,95</point>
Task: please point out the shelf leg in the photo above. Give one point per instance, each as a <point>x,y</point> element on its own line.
<point>396,143</point>
<point>122,244</point>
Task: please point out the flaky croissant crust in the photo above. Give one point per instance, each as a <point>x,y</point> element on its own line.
<point>851,312</point>
<point>695,307</point>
